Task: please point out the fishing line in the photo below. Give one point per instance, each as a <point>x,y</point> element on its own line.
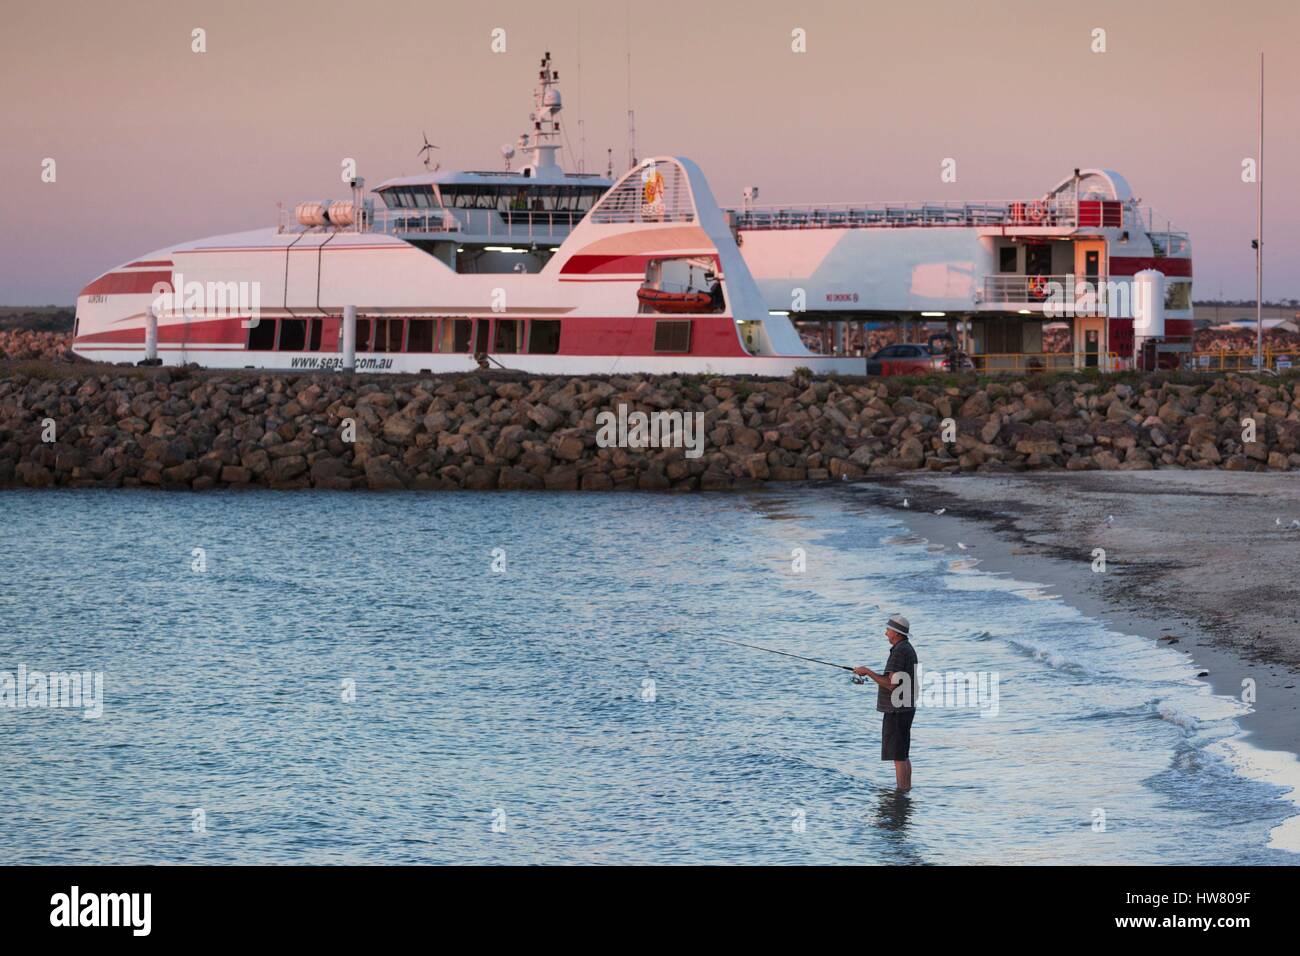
<point>800,657</point>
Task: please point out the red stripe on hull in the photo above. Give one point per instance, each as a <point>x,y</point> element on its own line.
<point>127,283</point>
<point>598,265</point>
<point>205,332</point>
<point>1132,265</point>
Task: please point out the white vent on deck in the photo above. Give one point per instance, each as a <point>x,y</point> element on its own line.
<point>656,191</point>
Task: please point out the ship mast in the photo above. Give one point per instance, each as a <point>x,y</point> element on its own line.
<point>544,138</point>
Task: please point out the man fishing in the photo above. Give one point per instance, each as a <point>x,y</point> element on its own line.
<point>895,698</point>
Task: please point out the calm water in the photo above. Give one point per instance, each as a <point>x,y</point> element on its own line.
<point>524,697</point>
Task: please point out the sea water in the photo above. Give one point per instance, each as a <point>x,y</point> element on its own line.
<point>534,678</point>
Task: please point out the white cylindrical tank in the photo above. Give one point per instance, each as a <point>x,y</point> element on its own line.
<point>312,213</point>
<point>350,338</point>
<point>151,336</point>
<point>341,213</point>
<point>1149,304</point>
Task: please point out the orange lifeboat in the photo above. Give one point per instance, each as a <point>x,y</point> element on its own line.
<point>661,300</point>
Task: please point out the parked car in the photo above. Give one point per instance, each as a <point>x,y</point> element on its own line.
<point>911,358</point>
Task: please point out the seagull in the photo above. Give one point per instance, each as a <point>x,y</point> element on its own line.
<point>941,511</point>
<point>965,547</point>
<point>1278,522</point>
<point>1294,525</point>
<point>1110,521</point>
<point>906,505</point>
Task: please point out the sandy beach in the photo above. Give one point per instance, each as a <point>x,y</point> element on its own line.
<point>1196,556</point>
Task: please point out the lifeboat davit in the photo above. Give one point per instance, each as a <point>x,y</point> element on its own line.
<point>661,300</point>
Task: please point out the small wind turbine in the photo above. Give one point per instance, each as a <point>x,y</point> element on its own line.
<point>426,150</point>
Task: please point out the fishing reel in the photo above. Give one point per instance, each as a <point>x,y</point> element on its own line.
<point>855,679</point>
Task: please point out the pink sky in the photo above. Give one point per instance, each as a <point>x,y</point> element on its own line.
<point>156,144</point>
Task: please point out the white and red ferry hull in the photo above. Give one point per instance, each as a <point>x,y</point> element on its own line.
<point>305,280</point>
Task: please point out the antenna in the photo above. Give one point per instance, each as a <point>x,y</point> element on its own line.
<point>582,129</point>
<point>1259,229</point>
<point>631,114</point>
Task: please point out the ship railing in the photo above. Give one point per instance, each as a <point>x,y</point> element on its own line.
<point>1171,243</point>
<point>1011,212</point>
<point>1054,212</point>
<point>1229,360</point>
<point>1089,293</point>
<point>988,363</point>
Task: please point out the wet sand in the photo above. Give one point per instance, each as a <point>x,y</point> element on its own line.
<point>1196,555</point>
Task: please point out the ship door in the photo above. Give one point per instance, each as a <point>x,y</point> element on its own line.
<point>1089,260</point>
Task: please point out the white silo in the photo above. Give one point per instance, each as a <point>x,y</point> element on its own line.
<point>1149,304</point>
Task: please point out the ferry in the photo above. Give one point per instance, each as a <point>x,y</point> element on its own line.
<point>544,270</point>
<point>537,270</point>
<point>1085,256</point>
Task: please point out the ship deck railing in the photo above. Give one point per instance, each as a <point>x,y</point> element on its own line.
<point>1018,213</point>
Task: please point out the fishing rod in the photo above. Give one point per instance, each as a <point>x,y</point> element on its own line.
<point>771,650</point>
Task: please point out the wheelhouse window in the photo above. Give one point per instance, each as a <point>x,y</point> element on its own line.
<point>673,335</point>
<point>544,336</point>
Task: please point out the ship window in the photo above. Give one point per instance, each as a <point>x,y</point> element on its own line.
<point>544,337</point>
<point>481,337</point>
<point>388,335</point>
<point>293,335</point>
<point>456,335</point>
<point>673,335</point>
<point>423,199</point>
<point>419,337</point>
<point>261,335</point>
<point>316,326</point>
<point>1007,259</point>
<point>1178,296</point>
<point>363,335</point>
<point>509,335</point>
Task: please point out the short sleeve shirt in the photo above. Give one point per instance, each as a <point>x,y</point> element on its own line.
<point>902,660</point>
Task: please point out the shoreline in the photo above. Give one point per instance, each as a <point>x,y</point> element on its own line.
<point>1028,527</point>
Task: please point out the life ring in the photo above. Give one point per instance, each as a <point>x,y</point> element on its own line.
<point>1037,211</point>
<point>654,187</point>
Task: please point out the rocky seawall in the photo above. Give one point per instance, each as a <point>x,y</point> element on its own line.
<point>99,426</point>
<point>36,345</point>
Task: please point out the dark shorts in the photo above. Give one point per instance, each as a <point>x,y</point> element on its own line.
<point>896,736</point>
